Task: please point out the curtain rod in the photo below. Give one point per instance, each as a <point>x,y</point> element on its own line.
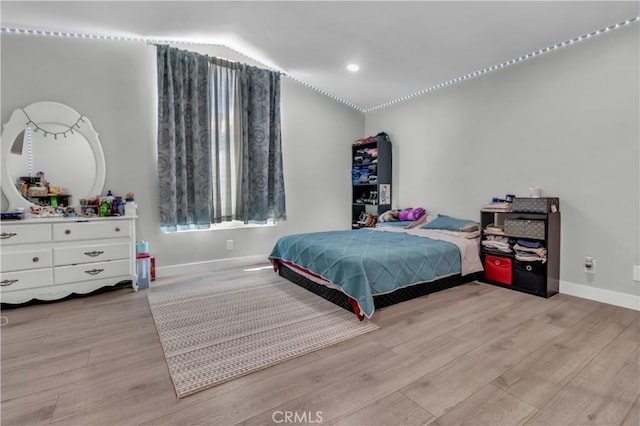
<point>211,58</point>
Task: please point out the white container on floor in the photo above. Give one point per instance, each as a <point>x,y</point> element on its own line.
<point>143,269</point>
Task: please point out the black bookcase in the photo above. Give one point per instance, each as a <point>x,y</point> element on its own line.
<point>370,177</point>
<point>503,269</point>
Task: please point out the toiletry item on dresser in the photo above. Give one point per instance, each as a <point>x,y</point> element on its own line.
<point>130,208</point>
<point>104,209</point>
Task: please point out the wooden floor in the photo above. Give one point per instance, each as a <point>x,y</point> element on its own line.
<point>475,354</point>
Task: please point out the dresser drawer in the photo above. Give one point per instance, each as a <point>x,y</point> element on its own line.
<point>27,259</point>
<point>14,281</point>
<point>73,231</point>
<point>91,271</point>
<point>91,253</point>
<point>25,234</point>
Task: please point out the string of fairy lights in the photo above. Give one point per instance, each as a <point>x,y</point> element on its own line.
<point>503,64</point>
<point>31,124</point>
<point>33,127</point>
<point>424,91</point>
<point>27,133</point>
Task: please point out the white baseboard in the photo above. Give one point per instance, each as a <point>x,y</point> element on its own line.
<point>601,295</point>
<point>211,265</point>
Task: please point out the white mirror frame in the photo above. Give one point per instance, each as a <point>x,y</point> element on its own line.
<point>50,112</point>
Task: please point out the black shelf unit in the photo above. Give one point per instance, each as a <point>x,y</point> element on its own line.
<point>362,191</point>
<point>540,279</point>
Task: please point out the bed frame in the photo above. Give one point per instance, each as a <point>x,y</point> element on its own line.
<point>382,300</point>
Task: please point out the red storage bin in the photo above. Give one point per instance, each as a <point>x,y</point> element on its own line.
<point>498,269</point>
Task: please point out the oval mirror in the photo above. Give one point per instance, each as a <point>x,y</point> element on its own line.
<point>50,142</point>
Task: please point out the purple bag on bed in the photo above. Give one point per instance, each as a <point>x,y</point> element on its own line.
<point>404,214</point>
<point>416,213</point>
<point>411,214</point>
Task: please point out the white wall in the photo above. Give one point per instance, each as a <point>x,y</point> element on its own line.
<point>114,84</point>
<point>567,121</point>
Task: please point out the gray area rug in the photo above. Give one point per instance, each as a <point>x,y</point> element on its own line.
<point>232,328</point>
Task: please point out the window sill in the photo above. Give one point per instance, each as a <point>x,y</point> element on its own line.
<point>236,224</point>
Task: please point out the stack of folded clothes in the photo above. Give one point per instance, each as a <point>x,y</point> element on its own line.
<point>493,229</point>
<point>530,251</point>
<point>497,206</point>
<point>497,243</point>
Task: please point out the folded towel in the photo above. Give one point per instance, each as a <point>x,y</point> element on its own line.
<point>530,244</point>
<point>496,207</point>
<point>494,229</point>
<point>541,251</point>
<point>497,245</point>
<point>529,257</point>
<point>497,238</point>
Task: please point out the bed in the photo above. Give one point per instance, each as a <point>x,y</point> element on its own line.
<point>370,268</point>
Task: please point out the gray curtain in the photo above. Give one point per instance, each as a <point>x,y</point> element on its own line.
<point>184,139</point>
<point>262,176</point>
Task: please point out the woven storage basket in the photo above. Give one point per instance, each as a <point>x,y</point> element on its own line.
<point>534,205</point>
<point>524,228</point>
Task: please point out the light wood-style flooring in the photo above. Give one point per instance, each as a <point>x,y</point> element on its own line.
<point>475,354</point>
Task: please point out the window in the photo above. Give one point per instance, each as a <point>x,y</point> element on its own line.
<point>226,143</point>
<point>219,148</point>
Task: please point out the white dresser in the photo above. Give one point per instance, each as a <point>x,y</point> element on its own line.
<point>49,259</point>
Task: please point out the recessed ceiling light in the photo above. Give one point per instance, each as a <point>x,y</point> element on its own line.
<point>353,67</point>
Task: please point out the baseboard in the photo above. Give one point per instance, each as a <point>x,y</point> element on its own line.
<point>210,265</point>
<point>601,295</point>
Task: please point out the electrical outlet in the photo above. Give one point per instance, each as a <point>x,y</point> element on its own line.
<point>229,245</point>
<point>589,265</point>
<point>636,272</point>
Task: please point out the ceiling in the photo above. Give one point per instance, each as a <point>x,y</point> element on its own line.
<point>402,47</point>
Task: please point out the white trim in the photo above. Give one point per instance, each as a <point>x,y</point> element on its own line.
<point>624,300</point>
<point>210,265</point>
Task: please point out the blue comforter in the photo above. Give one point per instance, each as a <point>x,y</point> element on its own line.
<point>367,262</point>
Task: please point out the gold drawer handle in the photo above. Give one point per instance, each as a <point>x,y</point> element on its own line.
<point>8,282</point>
<point>497,262</point>
<point>94,271</point>
<point>6,235</point>
<point>93,253</point>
